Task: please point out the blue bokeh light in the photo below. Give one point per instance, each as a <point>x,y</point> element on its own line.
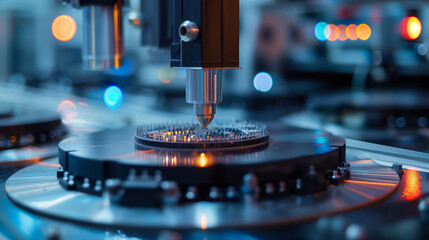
<point>113,97</point>
<point>319,31</point>
<point>321,144</point>
<point>263,82</point>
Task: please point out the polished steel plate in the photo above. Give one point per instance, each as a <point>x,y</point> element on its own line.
<point>36,188</point>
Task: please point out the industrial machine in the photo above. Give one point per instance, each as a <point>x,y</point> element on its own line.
<point>96,141</point>
<point>203,35</point>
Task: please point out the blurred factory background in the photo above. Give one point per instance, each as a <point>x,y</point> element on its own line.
<point>359,69</point>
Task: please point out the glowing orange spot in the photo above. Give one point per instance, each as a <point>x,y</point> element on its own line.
<point>13,139</point>
<point>359,192</point>
<point>332,32</point>
<point>351,32</point>
<point>412,185</point>
<point>64,28</point>
<point>136,21</point>
<point>411,28</point>
<point>363,32</point>
<point>342,36</point>
<point>203,222</point>
<point>372,183</point>
<point>203,160</point>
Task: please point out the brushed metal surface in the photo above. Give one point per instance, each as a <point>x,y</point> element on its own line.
<point>36,188</point>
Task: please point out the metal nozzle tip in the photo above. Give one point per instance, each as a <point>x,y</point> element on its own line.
<point>205,120</point>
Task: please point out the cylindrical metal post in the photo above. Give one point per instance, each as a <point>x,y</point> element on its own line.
<point>204,90</point>
<point>102,37</point>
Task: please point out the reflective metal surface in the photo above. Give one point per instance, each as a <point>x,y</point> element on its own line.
<point>204,90</point>
<point>288,145</point>
<point>29,154</point>
<point>388,155</point>
<point>103,45</point>
<point>36,188</point>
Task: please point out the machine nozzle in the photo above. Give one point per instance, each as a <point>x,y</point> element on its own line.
<point>205,113</point>
<point>204,90</point>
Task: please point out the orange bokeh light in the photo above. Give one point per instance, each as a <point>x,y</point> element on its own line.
<point>411,28</point>
<point>203,222</point>
<point>332,32</point>
<point>363,32</point>
<point>64,28</point>
<point>412,185</point>
<point>351,32</point>
<point>342,36</point>
<point>67,109</point>
<point>203,160</point>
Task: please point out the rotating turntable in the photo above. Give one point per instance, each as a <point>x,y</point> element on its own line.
<point>28,135</point>
<point>245,174</point>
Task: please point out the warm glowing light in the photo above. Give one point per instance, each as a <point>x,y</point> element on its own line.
<point>263,82</point>
<point>411,28</point>
<point>203,160</point>
<point>363,32</point>
<point>342,36</point>
<point>351,32</point>
<point>64,28</point>
<point>113,97</point>
<point>67,109</point>
<point>65,103</point>
<point>374,174</point>
<point>412,185</point>
<point>372,183</point>
<point>319,31</point>
<point>137,21</point>
<point>203,222</point>
<point>332,32</point>
<point>117,34</point>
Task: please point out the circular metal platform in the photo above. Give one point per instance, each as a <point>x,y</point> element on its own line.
<point>114,154</point>
<point>28,135</point>
<point>36,188</point>
<point>222,134</point>
<point>29,129</point>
